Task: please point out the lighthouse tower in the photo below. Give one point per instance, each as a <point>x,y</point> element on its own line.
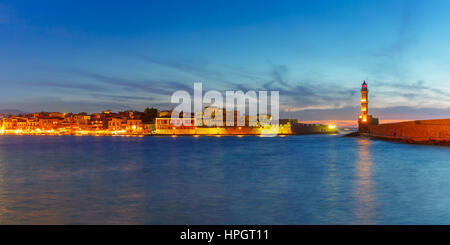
<point>364,118</point>
<point>364,102</point>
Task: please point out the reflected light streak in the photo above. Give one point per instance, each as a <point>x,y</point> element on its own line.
<point>364,191</point>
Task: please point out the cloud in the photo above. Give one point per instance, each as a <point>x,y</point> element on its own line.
<point>302,98</point>
<point>279,77</point>
<point>304,94</point>
<point>352,112</point>
<point>198,68</point>
<point>125,98</point>
<point>70,85</point>
<point>143,85</point>
<point>416,94</point>
<point>410,113</point>
<point>295,94</point>
<point>309,99</point>
<point>206,71</point>
<point>417,87</point>
<point>55,103</point>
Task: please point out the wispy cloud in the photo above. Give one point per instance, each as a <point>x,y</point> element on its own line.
<point>56,103</point>
<point>302,98</point>
<point>195,67</point>
<point>143,85</point>
<point>352,112</point>
<point>205,70</point>
<point>304,94</point>
<point>123,98</point>
<point>418,87</point>
<point>70,85</point>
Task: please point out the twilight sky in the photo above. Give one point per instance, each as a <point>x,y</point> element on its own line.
<point>94,55</point>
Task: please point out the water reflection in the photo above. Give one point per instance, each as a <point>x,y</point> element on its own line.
<point>2,191</point>
<point>332,188</point>
<point>364,191</point>
<point>317,179</point>
<point>43,184</point>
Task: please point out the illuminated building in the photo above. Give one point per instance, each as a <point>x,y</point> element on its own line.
<point>168,123</point>
<point>115,124</point>
<point>143,123</point>
<point>165,125</point>
<point>56,123</point>
<point>134,126</point>
<point>364,118</point>
<point>9,124</point>
<point>49,123</point>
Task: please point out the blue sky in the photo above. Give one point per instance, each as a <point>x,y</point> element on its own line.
<point>93,55</point>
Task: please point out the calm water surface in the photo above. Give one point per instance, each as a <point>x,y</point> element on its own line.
<point>318,179</point>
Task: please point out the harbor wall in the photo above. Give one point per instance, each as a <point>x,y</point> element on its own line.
<point>210,131</point>
<point>301,128</point>
<point>284,129</point>
<point>420,131</point>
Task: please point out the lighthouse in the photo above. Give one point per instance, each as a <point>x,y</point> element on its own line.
<point>364,118</point>
<point>364,101</point>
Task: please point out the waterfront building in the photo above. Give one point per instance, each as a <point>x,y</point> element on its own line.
<point>105,123</point>
<point>140,123</point>
<point>21,124</point>
<point>115,124</point>
<point>32,125</point>
<point>49,123</point>
<point>96,124</point>
<point>134,126</point>
<point>149,128</point>
<point>248,125</point>
<point>9,124</point>
<point>169,123</point>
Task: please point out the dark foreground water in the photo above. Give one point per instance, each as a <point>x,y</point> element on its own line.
<point>316,179</point>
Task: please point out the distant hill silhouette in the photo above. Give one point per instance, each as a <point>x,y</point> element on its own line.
<point>12,112</point>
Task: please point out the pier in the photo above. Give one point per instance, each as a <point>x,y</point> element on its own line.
<point>416,132</point>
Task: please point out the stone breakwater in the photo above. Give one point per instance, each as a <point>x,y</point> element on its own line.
<point>418,132</point>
